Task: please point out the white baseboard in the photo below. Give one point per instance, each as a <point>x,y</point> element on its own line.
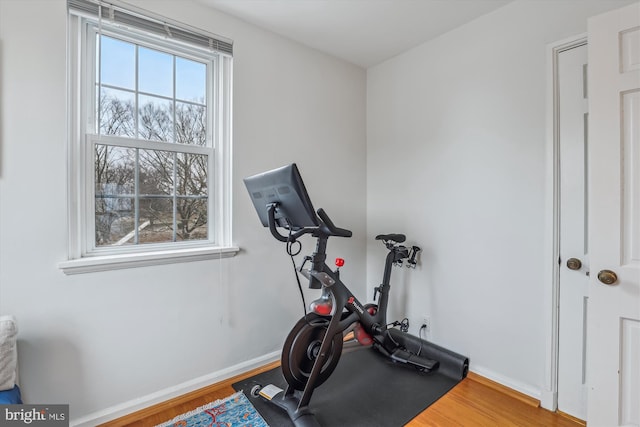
<point>549,400</point>
<point>507,382</point>
<point>137,404</point>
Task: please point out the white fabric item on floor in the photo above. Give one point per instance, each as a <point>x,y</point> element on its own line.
<point>8,352</point>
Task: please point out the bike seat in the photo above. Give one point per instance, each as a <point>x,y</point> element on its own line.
<point>398,238</point>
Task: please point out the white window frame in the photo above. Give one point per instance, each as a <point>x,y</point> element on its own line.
<point>83,254</point>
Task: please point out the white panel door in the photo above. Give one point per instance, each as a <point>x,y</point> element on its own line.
<point>573,284</point>
<point>613,340</point>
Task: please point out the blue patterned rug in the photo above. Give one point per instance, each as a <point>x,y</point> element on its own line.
<point>233,411</point>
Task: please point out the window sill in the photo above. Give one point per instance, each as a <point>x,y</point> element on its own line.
<point>115,262</point>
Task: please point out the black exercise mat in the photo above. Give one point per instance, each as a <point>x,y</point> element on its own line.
<point>366,389</point>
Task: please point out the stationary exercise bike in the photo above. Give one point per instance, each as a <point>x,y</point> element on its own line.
<point>313,347</point>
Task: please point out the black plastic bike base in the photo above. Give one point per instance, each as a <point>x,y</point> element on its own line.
<point>404,356</point>
<point>300,418</point>
<point>446,361</point>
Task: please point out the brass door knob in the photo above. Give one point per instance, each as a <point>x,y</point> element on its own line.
<point>574,264</point>
<point>608,277</point>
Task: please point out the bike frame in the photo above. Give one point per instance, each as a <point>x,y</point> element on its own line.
<point>321,276</point>
<point>330,282</point>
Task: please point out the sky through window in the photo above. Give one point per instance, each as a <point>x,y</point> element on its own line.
<point>155,71</point>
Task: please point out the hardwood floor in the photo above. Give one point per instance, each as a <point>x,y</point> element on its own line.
<point>476,401</point>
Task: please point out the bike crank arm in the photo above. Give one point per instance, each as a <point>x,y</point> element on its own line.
<point>332,330</point>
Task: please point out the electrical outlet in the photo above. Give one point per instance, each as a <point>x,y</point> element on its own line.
<point>426,322</point>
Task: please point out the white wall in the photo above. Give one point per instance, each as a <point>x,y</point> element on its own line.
<point>456,160</point>
<point>103,339</point>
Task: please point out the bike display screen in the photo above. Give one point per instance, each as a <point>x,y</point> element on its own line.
<point>284,187</point>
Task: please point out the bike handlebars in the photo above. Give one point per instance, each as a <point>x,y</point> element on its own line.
<point>326,228</point>
<point>333,230</point>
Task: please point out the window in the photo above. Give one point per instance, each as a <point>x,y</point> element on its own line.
<point>149,134</point>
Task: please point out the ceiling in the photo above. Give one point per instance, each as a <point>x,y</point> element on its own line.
<point>363,32</point>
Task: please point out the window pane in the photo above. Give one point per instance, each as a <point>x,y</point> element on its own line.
<point>156,198</point>
<point>192,218</point>
<point>155,72</point>
<point>191,125</point>
<point>191,174</point>
<point>114,205</point>
<point>114,221</point>
<point>191,80</point>
<point>155,119</point>
<point>114,170</point>
<point>117,63</point>
<point>116,113</point>
<point>156,219</point>
<point>156,172</point>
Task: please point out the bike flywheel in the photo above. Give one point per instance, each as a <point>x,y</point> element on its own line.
<point>301,349</point>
